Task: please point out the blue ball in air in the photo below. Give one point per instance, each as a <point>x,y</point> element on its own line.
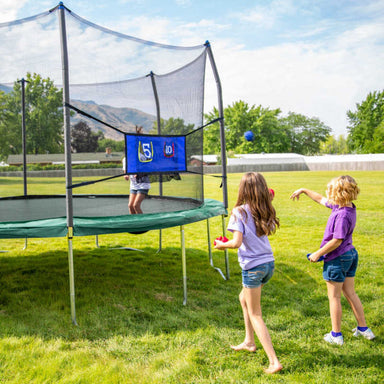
<point>249,136</point>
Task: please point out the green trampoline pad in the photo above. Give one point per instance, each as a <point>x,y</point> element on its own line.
<point>45,216</point>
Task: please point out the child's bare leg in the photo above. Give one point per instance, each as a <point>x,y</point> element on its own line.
<point>249,342</point>
<point>354,301</point>
<point>137,203</point>
<point>131,203</point>
<point>252,297</point>
<point>334,296</point>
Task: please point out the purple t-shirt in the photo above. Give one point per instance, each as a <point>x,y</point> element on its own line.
<point>255,250</point>
<point>340,225</point>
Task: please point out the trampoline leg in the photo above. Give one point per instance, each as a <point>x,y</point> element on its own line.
<point>160,242</point>
<point>226,250</point>
<point>97,241</point>
<point>71,282</point>
<point>210,251</point>
<point>184,264</point>
<point>25,243</point>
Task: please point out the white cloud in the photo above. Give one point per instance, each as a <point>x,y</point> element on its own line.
<point>183,2</point>
<point>166,31</point>
<point>267,15</point>
<point>9,9</point>
<point>131,1</point>
<point>371,7</point>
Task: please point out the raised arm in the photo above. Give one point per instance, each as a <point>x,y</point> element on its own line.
<point>311,194</point>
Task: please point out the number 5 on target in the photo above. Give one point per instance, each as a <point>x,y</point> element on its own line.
<point>146,153</point>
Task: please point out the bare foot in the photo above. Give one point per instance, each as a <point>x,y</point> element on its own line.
<point>250,347</point>
<point>273,369</point>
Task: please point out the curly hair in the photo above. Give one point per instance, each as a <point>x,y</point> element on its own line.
<point>342,190</point>
<point>253,190</point>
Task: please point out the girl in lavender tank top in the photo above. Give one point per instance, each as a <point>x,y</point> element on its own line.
<point>253,219</point>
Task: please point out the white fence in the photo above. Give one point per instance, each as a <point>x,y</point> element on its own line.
<point>276,162</point>
<point>269,162</point>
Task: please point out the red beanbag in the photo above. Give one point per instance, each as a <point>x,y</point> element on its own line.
<point>220,238</point>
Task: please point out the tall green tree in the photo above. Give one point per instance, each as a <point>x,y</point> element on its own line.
<point>172,126</point>
<point>365,124</point>
<point>239,118</point>
<point>4,139</point>
<point>116,146</point>
<point>305,133</point>
<point>10,127</point>
<point>269,135</point>
<point>377,145</point>
<point>43,117</point>
<point>83,139</point>
<point>334,146</point>
<point>212,133</point>
<point>272,133</point>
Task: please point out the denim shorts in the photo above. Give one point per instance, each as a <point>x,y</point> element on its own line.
<point>259,275</point>
<point>136,191</point>
<point>343,266</point>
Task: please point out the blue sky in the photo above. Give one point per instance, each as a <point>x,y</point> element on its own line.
<point>317,58</point>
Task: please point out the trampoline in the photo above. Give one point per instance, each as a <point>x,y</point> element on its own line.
<point>113,83</point>
<point>38,216</point>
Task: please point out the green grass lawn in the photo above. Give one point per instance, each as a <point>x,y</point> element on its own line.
<point>133,327</point>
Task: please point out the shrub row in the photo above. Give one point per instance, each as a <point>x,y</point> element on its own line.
<point>58,167</point>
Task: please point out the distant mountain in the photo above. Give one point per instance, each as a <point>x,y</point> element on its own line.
<point>123,119</point>
<point>5,88</point>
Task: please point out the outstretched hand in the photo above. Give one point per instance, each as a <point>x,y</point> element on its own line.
<point>296,194</point>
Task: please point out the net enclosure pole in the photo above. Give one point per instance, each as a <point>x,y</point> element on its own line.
<point>222,142</point>
<point>221,122</point>
<point>158,119</point>
<point>68,158</point>
<point>23,134</point>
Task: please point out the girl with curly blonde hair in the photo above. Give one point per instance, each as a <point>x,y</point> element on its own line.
<point>253,218</point>
<point>339,254</point>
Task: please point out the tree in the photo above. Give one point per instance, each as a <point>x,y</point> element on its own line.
<point>334,146</point>
<point>377,145</point>
<point>172,126</point>
<point>116,146</point>
<point>43,117</point>
<point>212,143</point>
<point>272,134</point>
<point>365,124</point>
<point>6,136</point>
<point>306,134</point>
<point>269,135</point>
<point>83,139</point>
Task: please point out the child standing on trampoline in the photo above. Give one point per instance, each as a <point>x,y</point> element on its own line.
<point>139,189</point>
<point>139,186</point>
<point>340,256</point>
<point>253,218</point>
